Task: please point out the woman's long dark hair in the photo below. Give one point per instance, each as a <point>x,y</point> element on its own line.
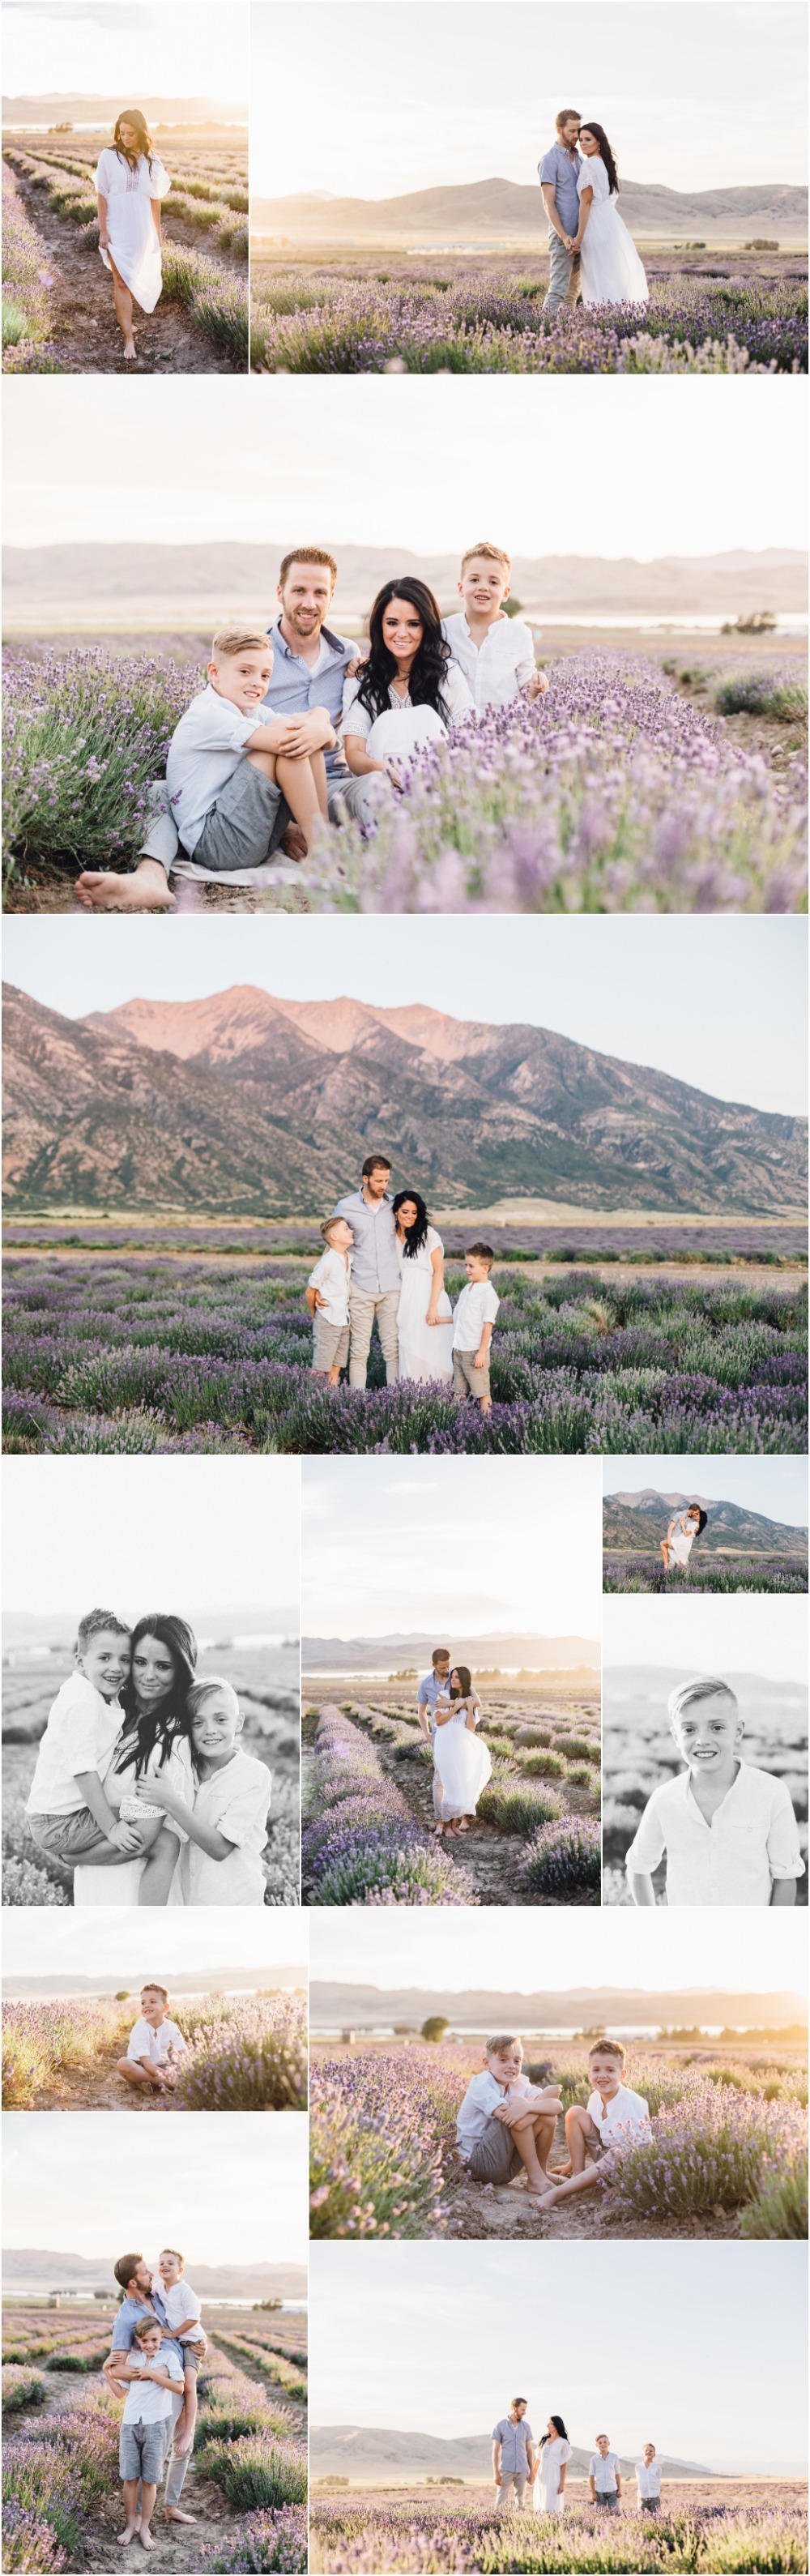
<point>611,164</point>
<point>559,2427</point>
<point>162,1726</point>
<point>133,116</point>
<point>415,1235</point>
<point>429,665</point>
<point>465,1682</point>
<point>702,1516</point>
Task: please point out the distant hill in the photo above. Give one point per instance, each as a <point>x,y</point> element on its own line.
<point>185,1981</point>
<point>359,2451</point>
<point>37,2267</point>
<point>332,2006</point>
<point>193,585</point>
<point>80,107</point>
<point>498,209</point>
<point>529,1654</point>
<point>634,1523</point>
<point>241,1102</point>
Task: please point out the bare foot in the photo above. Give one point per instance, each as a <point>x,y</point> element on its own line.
<point>544,2199</point>
<point>173,2514</point>
<point>438,1832</point>
<point>145,2537</point>
<point>130,2533</point>
<point>294,844</point>
<point>101,890</point>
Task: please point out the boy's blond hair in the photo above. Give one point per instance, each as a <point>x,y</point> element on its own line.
<point>239,639</point>
<point>503,2039</point>
<point>145,2326</point>
<point>491,554</point>
<point>152,1986</point>
<point>608,2048</point>
<point>329,1224</point>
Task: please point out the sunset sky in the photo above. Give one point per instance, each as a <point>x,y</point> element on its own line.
<point>229,2190</point>
<point>170,49</point>
<point>407,1543</point>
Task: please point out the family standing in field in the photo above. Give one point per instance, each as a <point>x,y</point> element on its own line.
<point>141,1787</point>
<point>516,2465</point>
<point>384,1263</point>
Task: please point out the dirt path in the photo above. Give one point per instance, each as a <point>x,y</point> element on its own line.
<point>99,2088</point>
<point>84,328</point>
<point>490,1857</point>
<point>176,2544</point>
<point>476,2210</point>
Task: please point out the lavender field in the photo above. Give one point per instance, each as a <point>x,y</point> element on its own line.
<point>737,1573</point>
<point>492,322</point>
<point>170,1355</point>
<point>243,2053</point>
<point>612,793</point>
<point>712,2528</point>
<point>50,236</point>
<point>728,1244</point>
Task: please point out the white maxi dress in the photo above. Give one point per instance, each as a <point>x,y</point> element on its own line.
<point>681,1541</point>
<point>118,1884</point>
<point>425,1350</point>
<point>463,1765</point>
<point>611,271</point>
<point>546,2497</point>
<point>134,243</point>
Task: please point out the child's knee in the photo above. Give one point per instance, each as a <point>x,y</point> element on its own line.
<point>264,760</point>
<point>576,2118</point>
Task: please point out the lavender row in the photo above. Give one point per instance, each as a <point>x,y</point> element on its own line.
<point>307,324</point>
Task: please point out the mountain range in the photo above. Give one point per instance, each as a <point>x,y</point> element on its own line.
<point>634,1523</point>
<point>242,1102</point>
<point>499,209</point>
<point>185,1981</point>
<point>361,2451</point>
<point>332,2005</point>
<point>43,2268</point>
<point>78,107</point>
<point>192,586</point>
<point>496,1654</point>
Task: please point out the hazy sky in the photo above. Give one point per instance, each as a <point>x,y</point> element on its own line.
<point>734,1632</point>
<point>419,462</point>
<point>406,1544</point>
<point>699,2348</point>
<point>118,1941</point>
<point>683,994</point>
<point>231,2190</point>
<point>692,96</point>
<point>170,49</point>
<point>558,1950</point>
<point>776,1487</point>
<point>122,1531</point>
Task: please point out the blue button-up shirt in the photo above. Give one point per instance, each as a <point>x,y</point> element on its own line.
<point>375,1267</point>
<point>129,2315</point>
<point>560,170</point>
<point>513,2439</point>
<point>295,688</point>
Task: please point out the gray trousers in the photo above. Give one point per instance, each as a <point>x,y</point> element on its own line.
<point>356,800</point>
<point>175,2468</point>
<point>362,1310</point>
<point>511,2478</point>
<point>564,282</point>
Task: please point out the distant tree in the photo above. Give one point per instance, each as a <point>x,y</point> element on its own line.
<point>122,1995</point>
<point>435,2026</point>
<point>268,2303</point>
<point>63,129</point>
<point>511,608</point>
<point>759,243</point>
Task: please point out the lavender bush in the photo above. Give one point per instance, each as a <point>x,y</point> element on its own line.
<point>21,2387</point>
<point>87,734</point>
<point>57,2472</point>
<point>712,1574</point>
<point>268,2544</point>
<point>364,2535</point>
<point>256,2471</point>
<point>713,2149</point>
<point>562,1863</point>
<point>316,324</point>
<point>380,2130</point>
<point>26,311</point>
<point>363,1847</point>
<point>255,2059</point>
<point>780,2207</point>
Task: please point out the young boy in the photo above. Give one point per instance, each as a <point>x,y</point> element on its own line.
<point>150,2385</point>
<point>237,786</point>
<point>505,2124</point>
<point>495,652</point>
<point>183,2311</point>
<point>473,1319</point>
<point>648,2481</point>
<point>154,2043</point>
<point>332,1277</point>
<point>67,1809</point>
<point>605,2475</point>
<point>613,2109</point>
<point>728,1830</point>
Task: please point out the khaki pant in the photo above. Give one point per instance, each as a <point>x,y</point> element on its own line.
<point>467,1379</point>
<point>511,2478</point>
<point>564,274</point>
<point>362,1310</point>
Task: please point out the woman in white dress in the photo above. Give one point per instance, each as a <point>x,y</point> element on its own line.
<point>406,694</point>
<point>130,181</point>
<point>223,1828</point>
<point>611,270</point>
<point>424,1314</point>
<point>154,1745</point>
<point>460,1758</point>
<point>683,1529</point>
<point>548,2483</point>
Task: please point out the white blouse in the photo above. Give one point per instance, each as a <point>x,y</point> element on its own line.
<point>456,695</point>
<point>115,178</point>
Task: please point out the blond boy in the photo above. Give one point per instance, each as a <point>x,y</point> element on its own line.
<point>613,2111</point>
<point>327,1296</point>
<point>494,652</point>
<point>473,1321</point>
<point>506,2125</point>
<point>155,2044</point>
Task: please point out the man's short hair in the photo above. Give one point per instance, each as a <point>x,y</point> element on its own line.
<point>440,1655</point>
<point>329,1224</point>
<point>146,2326</point>
<point>151,1987</point>
<point>490,554</point>
<point>496,2047</point>
<point>688,1694</point>
<point>482,1251</point>
<point>94,1624</point>
<point>172,2249</point>
<point>231,640</point>
<point>518,2401</point>
<point>375,1163</point>
<point>608,2048</point>
<point>125,2269</point>
<point>307,555</point>
<point>564,117</point>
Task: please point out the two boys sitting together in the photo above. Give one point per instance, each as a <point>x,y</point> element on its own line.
<point>506,2125</point>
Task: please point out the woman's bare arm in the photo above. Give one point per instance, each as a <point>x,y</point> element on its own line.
<point>103,235</point>
<point>354,745</point>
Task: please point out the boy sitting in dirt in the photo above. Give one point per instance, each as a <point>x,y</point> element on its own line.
<point>613,2111</point>
<point>150,2386</point>
<point>505,2126</point>
<point>154,2045</point>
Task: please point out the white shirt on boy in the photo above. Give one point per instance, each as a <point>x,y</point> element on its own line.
<point>180,2301</point>
<point>204,751</point>
<point>146,2402</point>
<point>627,2111</point>
<point>752,1839</point>
<point>603,2471</point>
<point>80,1734</point>
<point>648,2477</point>
<point>482,2096</point>
<point>497,669</point>
<point>154,2044</point>
<point>477,1306</point>
<point>332,1275</point>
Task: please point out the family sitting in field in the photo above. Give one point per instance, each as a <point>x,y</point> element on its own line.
<point>505,2127</point>
<point>448,1709</point>
<point>384,1261</point>
<point>297,727</point>
<point>140,1784</point>
<point>157,2347</point>
<point>727,1830</point>
<point>516,2465</point>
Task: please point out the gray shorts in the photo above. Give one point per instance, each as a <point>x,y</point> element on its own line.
<point>142,2450</point>
<point>607,2503</point>
<point>331,1347</point>
<point>649,2504</point>
<point>494,2157</point>
<point>191,2356</point>
<point>246,823</point>
<point>69,1838</point>
<point>468,1380</point>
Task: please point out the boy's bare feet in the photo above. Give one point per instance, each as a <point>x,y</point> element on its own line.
<point>145,2537</point>
<point>173,2514</point>
<point>130,2533</point>
<point>101,890</point>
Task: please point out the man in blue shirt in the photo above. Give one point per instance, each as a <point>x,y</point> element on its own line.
<point>141,2298</point>
<point>512,2456</point>
<point>375,1281</point>
<point>559,171</point>
<point>309,669</point>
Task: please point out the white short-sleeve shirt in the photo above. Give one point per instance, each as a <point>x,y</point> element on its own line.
<point>497,669</point>
<point>648,2479</point>
<point>80,1734</point>
<point>154,2044</point>
<point>477,1306</point>
<point>146,2402</point>
<point>332,1275</point>
<point>593,174</point>
<point>604,2471</point>
<point>480,2100</point>
<point>205,749</point>
<point>180,2302</point>
<point>553,2458</point>
<point>627,2112</point>
<point>752,1839</point>
<point>235,1801</point>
